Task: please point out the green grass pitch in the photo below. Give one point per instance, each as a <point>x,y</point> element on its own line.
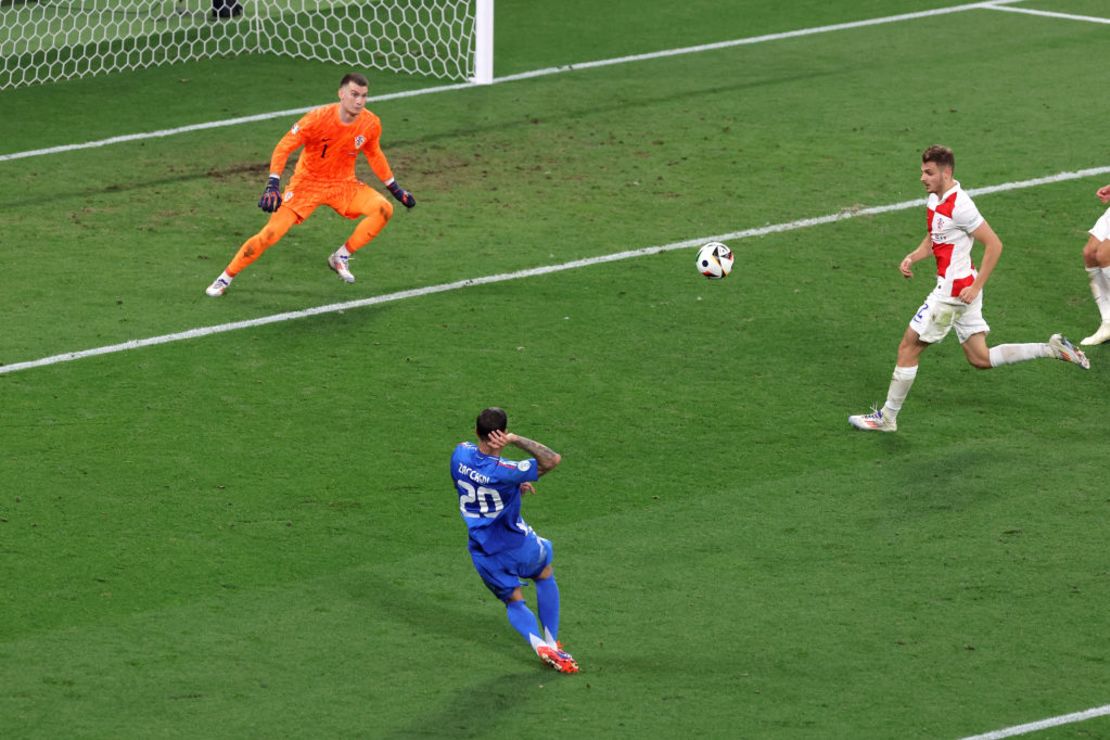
<point>254,534</point>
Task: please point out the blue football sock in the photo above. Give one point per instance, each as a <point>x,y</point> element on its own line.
<point>523,620</point>
<point>547,601</point>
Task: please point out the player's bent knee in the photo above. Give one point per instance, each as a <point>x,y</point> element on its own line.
<point>385,208</point>
<point>1096,253</point>
<point>544,574</point>
<point>1102,254</point>
<point>271,235</point>
<point>979,361</point>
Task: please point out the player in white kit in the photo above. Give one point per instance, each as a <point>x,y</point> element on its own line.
<point>1096,258</point>
<point>954,224</point>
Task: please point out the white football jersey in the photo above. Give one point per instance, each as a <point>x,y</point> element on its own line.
<point>952,218</point>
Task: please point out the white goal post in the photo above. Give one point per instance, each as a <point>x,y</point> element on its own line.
<point>51,40</point>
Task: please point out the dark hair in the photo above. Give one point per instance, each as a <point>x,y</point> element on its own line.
<point>942,155</point>
<point>489,420</point>
<point>356,78</point>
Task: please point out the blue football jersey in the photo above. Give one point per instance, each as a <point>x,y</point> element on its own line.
<point>489,497</point>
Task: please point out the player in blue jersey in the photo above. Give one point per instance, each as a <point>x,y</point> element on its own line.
<point>502,545</point>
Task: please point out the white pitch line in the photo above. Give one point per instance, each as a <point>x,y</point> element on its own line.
<point>509,78</point>
<point>1051,14</point>
<point>1044,724</point>
<point>989,4</point>
<point>531,272</point>
<point>161,133</point>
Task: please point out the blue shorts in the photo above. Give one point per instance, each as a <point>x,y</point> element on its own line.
<point>502,572</point>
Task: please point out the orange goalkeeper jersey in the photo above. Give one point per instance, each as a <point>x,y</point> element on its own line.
<point>331,147</point>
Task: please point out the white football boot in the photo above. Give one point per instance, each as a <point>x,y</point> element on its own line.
<point>1066,351</point>
<point>339,264</point>
<point>218,286</point>
<point>873,422</point>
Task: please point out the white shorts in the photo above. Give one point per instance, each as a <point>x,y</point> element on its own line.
<point>939,315</point>
<point>1101,229</point>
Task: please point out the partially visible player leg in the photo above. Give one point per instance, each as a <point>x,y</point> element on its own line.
<point>377,211</point>
<point>498,574</point>
<point>1096,259</point>
<point>533,560</point>
<point>885,419</point>
<point>280,222</point>
<point>1057,347</point>
<point>972,330</point>
<point>1008,354</point>
<point>523,620</point>
<point>547,602</point>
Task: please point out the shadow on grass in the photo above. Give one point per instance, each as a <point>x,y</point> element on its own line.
<point>476,708</point>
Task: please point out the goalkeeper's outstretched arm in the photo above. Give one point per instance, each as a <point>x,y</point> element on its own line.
<point>376,157</point>
<point>271,196</point>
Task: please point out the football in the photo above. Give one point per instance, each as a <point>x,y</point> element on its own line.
<point>715,260</point>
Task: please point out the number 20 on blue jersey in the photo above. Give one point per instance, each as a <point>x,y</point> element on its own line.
<point>483,496</point>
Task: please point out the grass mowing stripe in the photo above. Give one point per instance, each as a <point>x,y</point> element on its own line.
<point>759,39</point>
<point>530,272</point>
<point>1051,14</point>
<point>1044,724</point>
<point>509,78</point>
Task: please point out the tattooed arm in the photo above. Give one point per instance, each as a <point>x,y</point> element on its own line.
<point>546,458</point>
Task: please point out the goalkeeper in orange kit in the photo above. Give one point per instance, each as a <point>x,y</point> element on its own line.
<point>332,137</point>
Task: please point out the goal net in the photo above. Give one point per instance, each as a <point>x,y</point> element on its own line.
<point>51,40</point>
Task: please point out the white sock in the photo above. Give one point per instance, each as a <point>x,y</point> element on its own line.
<point>1008,354</point>
<point>1103,300</point>
<point>225,276</point>
<point>899,388</point>
<point>1100,289</point>
<point>342,252</point>
<point>537,642</point>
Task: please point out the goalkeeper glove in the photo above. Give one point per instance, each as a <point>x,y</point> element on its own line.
<point>404,196</point>
<point>271,198</point>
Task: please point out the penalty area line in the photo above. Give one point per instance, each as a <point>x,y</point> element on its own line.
<point>530,272</point>
<point>1053,14</point>
<point>846,26</point>
<point>1044,724</point>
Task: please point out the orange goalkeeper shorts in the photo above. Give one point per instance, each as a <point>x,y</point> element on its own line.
<point>348,198</point>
